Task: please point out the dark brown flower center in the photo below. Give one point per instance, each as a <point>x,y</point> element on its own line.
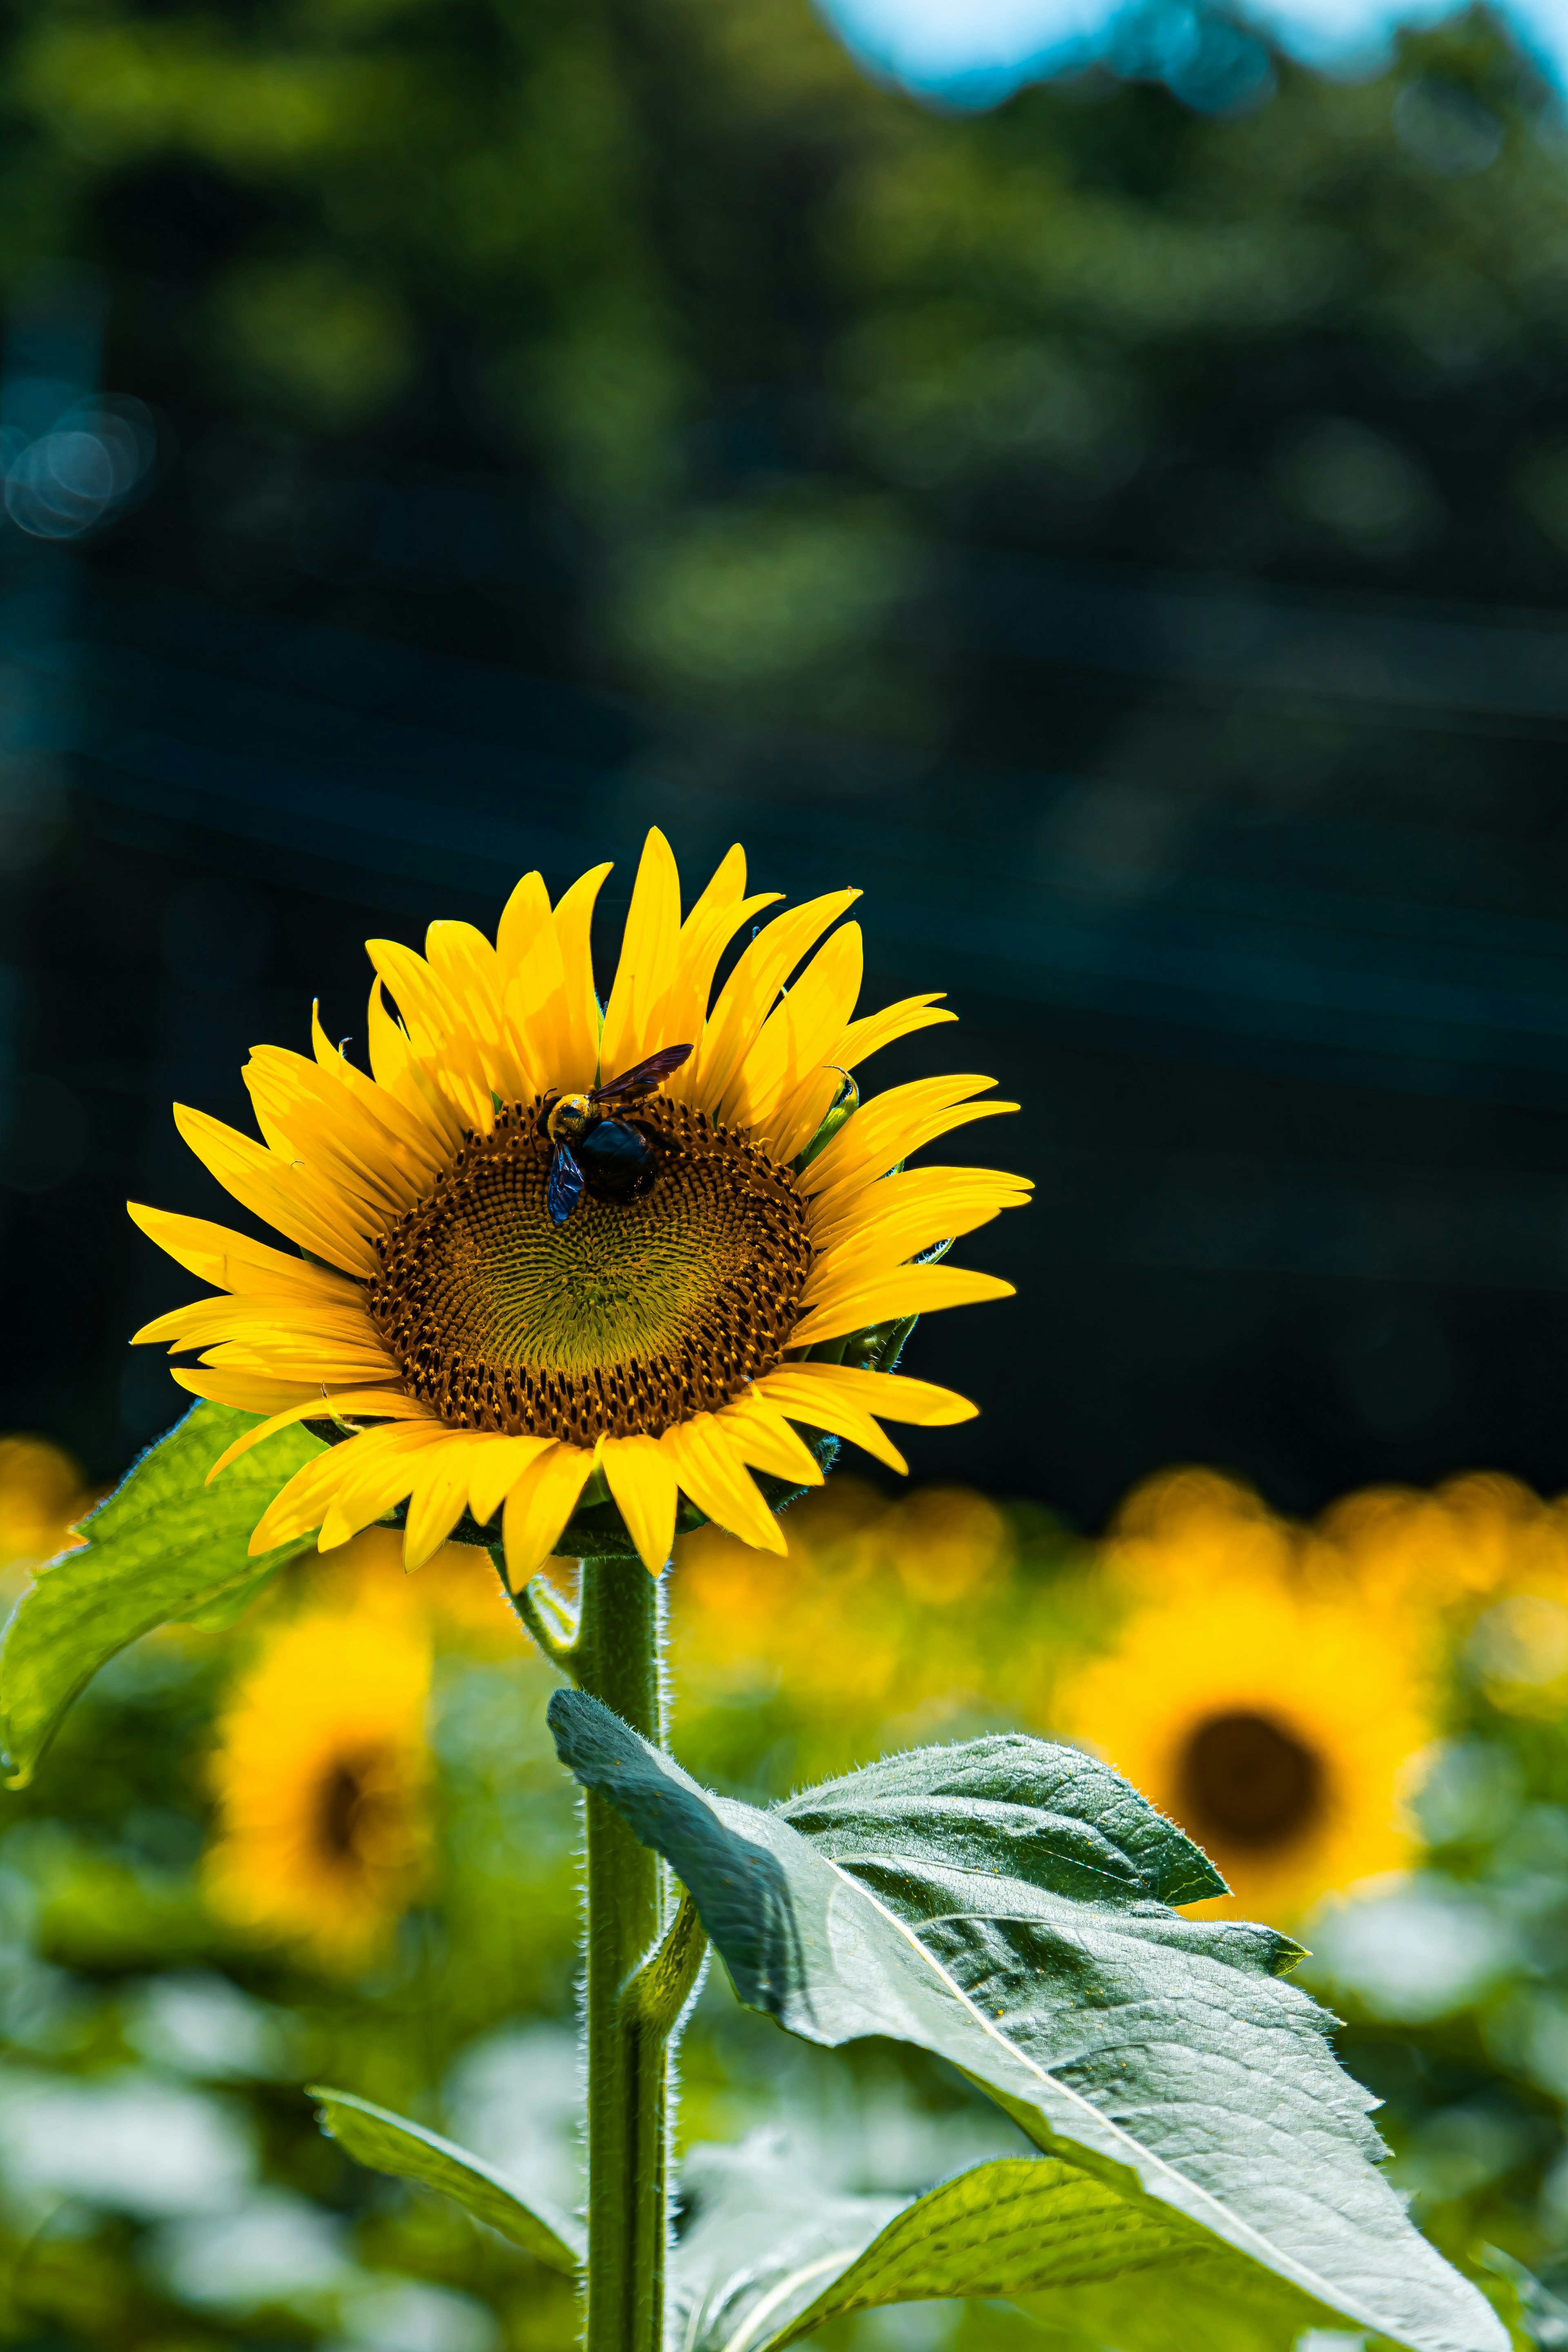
<point>632,1314</point>
<point>1247,1781</point>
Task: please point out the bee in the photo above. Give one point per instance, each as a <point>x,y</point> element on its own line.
<point>612,1157</point>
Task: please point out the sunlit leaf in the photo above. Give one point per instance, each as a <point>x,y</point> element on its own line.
<point>1159,2055</point>
<point>389,2143</point>
<point>164,1546</point>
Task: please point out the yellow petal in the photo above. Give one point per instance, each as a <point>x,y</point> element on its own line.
<point>866,1038</point>
<point>437,1499</point>
<point>820,1406</point>
<point>247,1391</point>
<point>762,1436</point>
<point>930,1201</point>
<point>411,1128</point>
<point>579,1061</point>
<point>524,916</point>
<point>647,963</point>
<point>892,1395</point>
<point>889,1127</point>
<point>368,1404</point>
<point>909,1290</point>
<point>789,1057</point>
<point>748,997</point>
<point>539,1506</point>
<point>710,1468</point>
<point>399,1074</point>
<point>212,1253</point>
<point>496,1464</point>
<point>282,1196</point>
<point>641,1477</point>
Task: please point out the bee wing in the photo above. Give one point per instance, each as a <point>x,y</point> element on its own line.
<point>645,1077</point>
<point>565,1187</point>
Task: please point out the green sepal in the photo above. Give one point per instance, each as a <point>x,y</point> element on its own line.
<point>163,1547</point>
<point>383,2142</point>
<point>843,1106</point>
<point>1163,2056</point>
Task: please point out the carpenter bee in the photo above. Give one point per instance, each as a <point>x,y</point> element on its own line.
<point>612,1157</point>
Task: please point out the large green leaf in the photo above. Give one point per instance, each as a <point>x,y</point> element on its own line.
<point>1161,2055</point>
<point>389,2143</point>
<point>164,1546</point>
<point>773,2258</point>
<point>759,2235</point>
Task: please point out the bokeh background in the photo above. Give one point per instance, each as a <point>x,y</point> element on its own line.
<point>1105,493</point>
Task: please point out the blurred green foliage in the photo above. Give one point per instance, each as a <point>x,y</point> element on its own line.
<point>761,336</point>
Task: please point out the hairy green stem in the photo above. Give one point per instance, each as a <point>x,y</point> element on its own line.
<point>617,1657</point>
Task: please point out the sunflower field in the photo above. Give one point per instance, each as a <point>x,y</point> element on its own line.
<point>331,1841</point>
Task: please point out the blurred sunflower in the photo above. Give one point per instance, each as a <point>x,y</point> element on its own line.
<point>658,1338</point>
<point>42,1492</point>
<point>1270,1708</point>
<point>322,1781</point>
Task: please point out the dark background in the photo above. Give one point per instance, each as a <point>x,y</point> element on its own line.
<point>1125,531</point>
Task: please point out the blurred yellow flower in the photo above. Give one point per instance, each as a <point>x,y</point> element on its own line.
<point>322,1777</point>
<point>1255,1695</point>
<point>897,1623</point>
<point>459,1595</point>
<point>42,1491</point>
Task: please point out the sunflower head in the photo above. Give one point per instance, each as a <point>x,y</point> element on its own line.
<point>1257,1693</point>
<point>570,1273</point>
<point>321,1776</point>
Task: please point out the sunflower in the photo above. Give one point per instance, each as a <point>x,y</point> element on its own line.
<point>492,1358</point>
<point>322,1775</point>
<point>1255,1695</point>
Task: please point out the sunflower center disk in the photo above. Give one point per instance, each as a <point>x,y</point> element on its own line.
<point>1248,1781</point>
<point>632,1316</point>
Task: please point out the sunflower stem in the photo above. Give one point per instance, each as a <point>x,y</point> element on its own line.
<point>618,1657</point>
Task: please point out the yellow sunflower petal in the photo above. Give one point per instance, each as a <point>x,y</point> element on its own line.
<point>437,1499</point>
<point>892,1395</point>
<point>524,916</point>
<point>280,1317</point>
<point>246,1392</point>
<point>647,961</point>
<point>282,1196</point>
<point>642,1478</point>
<point>539,1506</point>
<point>889,1127</point>
<point>495,1465</point>
<point>573,920</point>
<point>310,1116</point>
<point>453,1058</point>
<point>370,1405</point>
<point>788,1059</point>
<point>398,1074</point>
<point>212,1253</point>
<point>748,997</point>
<point>411,1130</point>
<point>930,1202</point>
<point>381,1462</point>
<point>868,1036</point>
<point>722,911</point>
<point>763,1438</point>
<point>909,1290</point>
<point>710,1468</point>
<point>820,1406</point>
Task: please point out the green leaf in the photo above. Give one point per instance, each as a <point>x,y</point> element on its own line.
<point>759,2236</point>
<point>1023,2224</point>
<point>1161,2055</point>
<point>1051,1816</point>
<point>389,2143</point>
<point>165,1546</point>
